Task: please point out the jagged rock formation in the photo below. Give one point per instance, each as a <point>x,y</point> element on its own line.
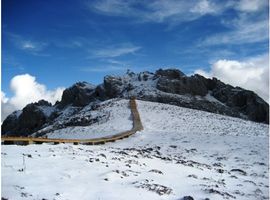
<point>169,86</point>
<point>29,120</point>
<point>80,94</point>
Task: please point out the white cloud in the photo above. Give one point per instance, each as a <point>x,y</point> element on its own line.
<point>115,62</point>
<point>244,27</point>
<point>157,10</point>
<point>251,5</point>
<point>250,24</point>
<point>6,107</point>
<point>252,74</point>
<point>113,7</point>
<point>4,99</point>
<point>105,68</point>
<point>115,51</point>
<point>32,47</point>
<point>205,7</point>
<point>74,42</point>
<point>27,90</point>
<point>28,45</point>
<point>243,31</point>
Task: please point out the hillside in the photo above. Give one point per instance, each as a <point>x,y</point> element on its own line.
<point>113,117</point>
<point>181,152</point>
<point>80,103</point>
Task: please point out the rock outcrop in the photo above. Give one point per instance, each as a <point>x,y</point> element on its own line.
<point>113,86</point>
<point>80,94</point>
<point>193,85</point>
<point>29,120</point>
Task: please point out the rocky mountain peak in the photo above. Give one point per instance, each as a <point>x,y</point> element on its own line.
<point>78,94</point>
<point>169,86</point>
<point>42,103</point>
<point>170,73</point>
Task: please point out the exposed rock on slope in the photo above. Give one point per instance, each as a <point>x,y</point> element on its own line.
<point>80,94</point>
<point>29,120</point>
<point>169,86</point>
<point>194,85</point>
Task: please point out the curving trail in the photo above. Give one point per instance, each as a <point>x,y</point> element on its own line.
<point>137,126</point>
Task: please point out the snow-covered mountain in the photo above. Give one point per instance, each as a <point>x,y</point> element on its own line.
<point>81,103</point>
<point>113,116</point>
<point>181,154</point>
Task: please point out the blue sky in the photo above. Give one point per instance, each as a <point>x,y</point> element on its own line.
<point>64,41</point>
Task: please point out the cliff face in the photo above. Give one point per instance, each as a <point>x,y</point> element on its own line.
<point>169,86</point>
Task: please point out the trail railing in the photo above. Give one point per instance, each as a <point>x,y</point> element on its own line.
<point>137,126</point>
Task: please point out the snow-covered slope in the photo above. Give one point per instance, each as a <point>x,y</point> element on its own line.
<point>169,86</point>
<point>116,119</point>
<point>181,152</point>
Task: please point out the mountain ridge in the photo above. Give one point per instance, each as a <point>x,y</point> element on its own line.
<point>169,86</point>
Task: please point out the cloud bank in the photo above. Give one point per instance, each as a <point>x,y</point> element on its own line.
<point>26,90</point>
<point>252,74</point>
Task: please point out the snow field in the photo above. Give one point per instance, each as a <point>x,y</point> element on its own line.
<point>181,152</point>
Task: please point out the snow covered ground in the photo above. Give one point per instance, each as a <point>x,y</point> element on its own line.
<point>118,120</point>
<point>181,152</point>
